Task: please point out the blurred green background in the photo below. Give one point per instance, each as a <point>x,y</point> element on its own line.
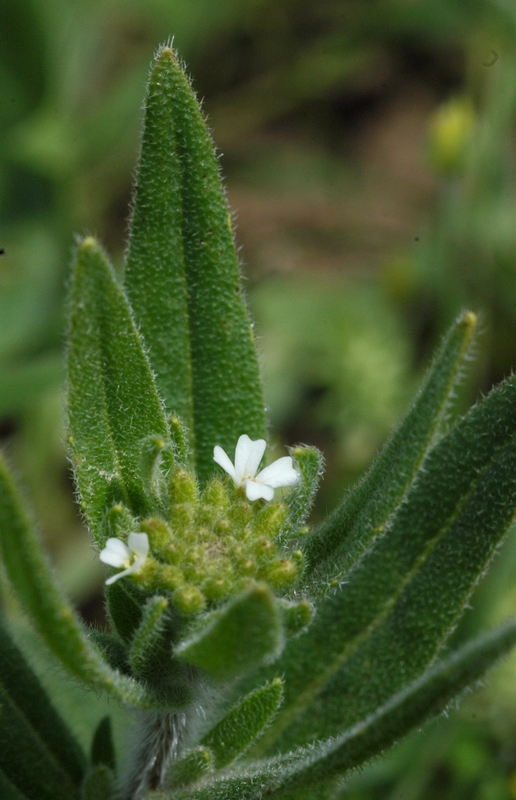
<point>368,148</point>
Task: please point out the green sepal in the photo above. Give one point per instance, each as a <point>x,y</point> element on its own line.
<point>189,769</point>
<point>123,609</point>
<point>19,683</point>
<point>147,640</point>
<point>237,638</point>
<point>31,578</point>
<point>102,747</point>
<point>309,461</point>
<point>182,275</point>
<point>98,784</point>
<point>363,514</point>
<point>241,726</point>
<point>426,697</point>
<point>112,400</point>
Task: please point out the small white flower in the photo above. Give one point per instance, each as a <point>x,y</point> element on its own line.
<point>248,455</point>
<point>132,555</point>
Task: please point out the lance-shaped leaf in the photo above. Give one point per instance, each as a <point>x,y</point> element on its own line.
<point>239,637</point>
<point>239,728</point>
<point>424,698</point>
<point>113,405</point>
<point>124,611</point>
<point>20,685</point>
<point>191,767</point>
<point>368,634</point>
<point>309,463</point>
<point>30,576</point>
<point>363,514</point>
<point>148,638</point>
<point>182,276</point>
<point>27,760</point>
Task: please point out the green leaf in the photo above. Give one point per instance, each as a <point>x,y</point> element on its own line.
<point>112,401</point>
<point>102,747</point>
<point>426,697</point>
<point>191,767</point>
<point>364,513</point>
<point>40,776</point>
<point>98,784</point>
<point>19,683</point>
<point>384,623</point>
<point>32,579</point>
<point>182,276</point>
<point>237,638</point>
<point>148,637</point>
<point>241,726</point>
<point>124,611</point>
<point>309,462</point>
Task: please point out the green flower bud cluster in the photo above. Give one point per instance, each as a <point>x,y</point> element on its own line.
<point>213,544</point>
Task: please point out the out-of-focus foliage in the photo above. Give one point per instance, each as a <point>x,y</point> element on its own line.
<point>369,154</point>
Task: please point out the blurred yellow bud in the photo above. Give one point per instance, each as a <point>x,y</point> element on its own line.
<point>450,133</point>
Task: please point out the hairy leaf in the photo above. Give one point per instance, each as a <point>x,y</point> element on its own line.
<point>426,697</point>
<point>32,579</point>
<point>19,683</point>
<point>363,514</point>
<point>182,275</point>
<point>239,728</point>
<point>112,401</point>
<point>237,638</point>
<point>366,640</point>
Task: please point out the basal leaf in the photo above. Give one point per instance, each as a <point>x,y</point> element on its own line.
<point>363,514</point>
<point>182,276</point>
<point>112,401</point>
<point>31,578</point>
<point>19,683</point>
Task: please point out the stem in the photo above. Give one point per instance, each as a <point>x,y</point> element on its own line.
<point>160,738</point>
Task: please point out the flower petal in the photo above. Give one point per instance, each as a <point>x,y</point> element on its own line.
<point>255,491</point>
<point>222,459</point>
<point>139,544</point>
<point>248,455</point>
<point>118,575</point>
<point>279,473</point>
<point>115,553</point>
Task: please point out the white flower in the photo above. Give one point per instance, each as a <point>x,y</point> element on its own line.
<point>131,555</point>
<point>248,455</point>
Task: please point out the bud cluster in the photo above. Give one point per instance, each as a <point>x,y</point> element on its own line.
<point>213,544</point>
